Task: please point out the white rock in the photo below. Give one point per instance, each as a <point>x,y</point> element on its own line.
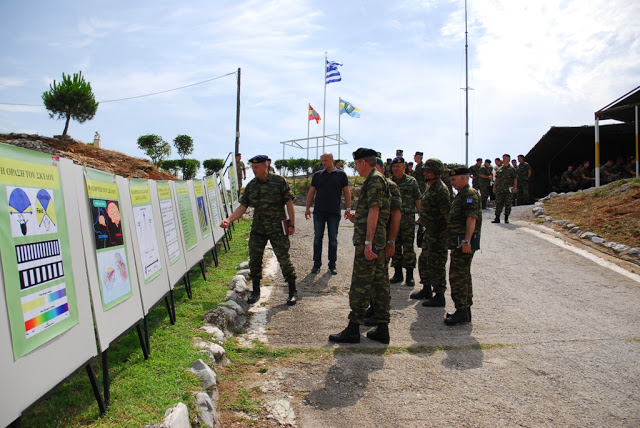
<point>245,273</point>
<point>177,417</point>
<point>207,414</point>
<point>214,331</point>
<point>243,265</point>
<point>232,305</point>
<point>586,235</point>
<point>635,251</point>
<point>597,240</point>
<point>207,376</point>
<point>238,281</point>
<point>282,411</point>
<point>620,248</point>
<point>575,229</point>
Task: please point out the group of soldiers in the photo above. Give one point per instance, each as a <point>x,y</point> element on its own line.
<point>583,176</point>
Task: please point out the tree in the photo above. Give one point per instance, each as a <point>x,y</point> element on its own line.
<point>184,145</point>
<point>71,98</point>
<point>190,168</point>
<point>282,165</point>
<point>213,165</point>
<point>154,147</point>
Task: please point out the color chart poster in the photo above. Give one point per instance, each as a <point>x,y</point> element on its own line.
<point>212,188</point>
<point>186,215</point>
<point>168,221</point>
<point>233,182</point>
<point>203,215</point>
<point>145,229</point>
<point>34,243</point>
<point>109,237</point>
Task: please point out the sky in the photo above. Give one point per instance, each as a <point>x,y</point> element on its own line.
<point>531,66</point>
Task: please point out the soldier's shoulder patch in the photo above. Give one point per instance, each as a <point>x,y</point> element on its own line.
<point>469,200</point>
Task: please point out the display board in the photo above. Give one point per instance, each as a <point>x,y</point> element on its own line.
<point>224,196</point>
<point>148,241</point>
<point>175,261</point>
<point>215,205</point>
<point>46,327</point>
<point>188,221</point>
<point>204,214</point>
<point>233,183</point>
<point>114,286</point>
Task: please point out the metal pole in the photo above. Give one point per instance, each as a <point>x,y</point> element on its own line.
<point>466,88</point>
<point>597,171</point>
<point>339,116</point>
<point>324,104</point>
<point>308,120</point>
<point>637,154</point>
<point>238,116</point>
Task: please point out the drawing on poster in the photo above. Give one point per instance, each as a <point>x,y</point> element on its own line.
<point>113,274</point>
<point>106,223</point>
<point>213,200</point>
<point>39,263</point>
<point>21,202</point>
<point>170,232</point>
<point>20,210</point>
<point>146,231</point>
<point>45,211</point>
<point>44,309</point>
<point>202,213</point>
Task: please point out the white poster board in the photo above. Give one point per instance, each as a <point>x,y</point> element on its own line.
<point>188,222</point>
<point>28,378</point>
<point>213,198</point>
<point>174,248</point>
<point>204,215</point>
<point>110,269</point>
<point>233,183</point>
<point>148,241</point>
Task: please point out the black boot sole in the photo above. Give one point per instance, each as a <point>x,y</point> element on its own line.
<point>337,338</point>
<point>373,335</point>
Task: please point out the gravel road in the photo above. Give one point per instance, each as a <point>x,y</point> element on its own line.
<point>555,341</point>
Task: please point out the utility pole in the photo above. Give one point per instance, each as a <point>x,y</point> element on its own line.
<point>238,117</point>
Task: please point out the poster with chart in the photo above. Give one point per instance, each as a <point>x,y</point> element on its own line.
<point>212,189</point>
<point>109,237</point>
<point>169,221</point>
<point>233,183</point>
<point>34,244</point>
<point>186,215</point>
<point>149,253</point>
<point>203,212</point>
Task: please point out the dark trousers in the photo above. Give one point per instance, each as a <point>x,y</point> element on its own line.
<point>332,221</point>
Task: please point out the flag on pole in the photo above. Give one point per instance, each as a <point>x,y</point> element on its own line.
<point>350,109</point>
<point>333,75</point>
<point>313,114</point>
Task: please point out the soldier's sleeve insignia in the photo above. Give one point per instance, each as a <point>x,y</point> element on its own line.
<point>470,200</point>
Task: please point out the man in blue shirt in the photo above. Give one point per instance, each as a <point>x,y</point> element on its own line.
<point>327,186</point>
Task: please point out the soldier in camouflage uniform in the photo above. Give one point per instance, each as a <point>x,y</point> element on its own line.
<point>446,179</point>
<point>369,281</point>
<point>504,186</point>
<point>268,193</point>
<point>465,220</point>
<point>434,211</point>
<point>486,175</point>
<point>405,256</point>
<point>242,171</point>
<point>523,174</point>
<point>418,174</point>
<point>475,174</point>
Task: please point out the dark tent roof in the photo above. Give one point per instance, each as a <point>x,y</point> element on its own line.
<point>564,146</point>
<point>621,109</point>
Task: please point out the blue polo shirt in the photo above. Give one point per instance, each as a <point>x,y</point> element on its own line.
<point>329,190</point>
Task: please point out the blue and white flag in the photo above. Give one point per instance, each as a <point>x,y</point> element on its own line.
<point>350,109</point>
<point>333,75</point>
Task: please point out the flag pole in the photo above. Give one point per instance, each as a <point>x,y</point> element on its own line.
<point>308,120</point>
<point>339,127</point>
<point>324,104</point>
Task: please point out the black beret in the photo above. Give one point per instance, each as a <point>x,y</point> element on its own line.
<point>479,159</point>
<point>487,160</point>
<point>259,159</point>
<point>362,153</point>
<point>460,171</point>
<point>388,160</point>
<point>378,154</point>
<point>399,152</point>
<point>398,159</point>
<point>419,154</point>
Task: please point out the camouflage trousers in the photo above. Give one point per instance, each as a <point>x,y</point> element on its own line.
<point>460,279</point>
<point>485,191</point>
<point>369,285</point>
<point>503,199</point>
<point>523,193</point>
<point>279,242</point>
<point>432,263</point>
<point>405,256</point>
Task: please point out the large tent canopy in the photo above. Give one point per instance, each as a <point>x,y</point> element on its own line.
<point>622,109</point>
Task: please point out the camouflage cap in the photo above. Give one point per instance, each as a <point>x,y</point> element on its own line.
<point>434,165</point>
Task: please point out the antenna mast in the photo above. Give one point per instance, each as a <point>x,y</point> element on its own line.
<point>466,88</point>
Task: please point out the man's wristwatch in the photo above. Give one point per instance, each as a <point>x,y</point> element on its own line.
<point>367,242</point>
<point>464,241</point>
<point>391,242</point>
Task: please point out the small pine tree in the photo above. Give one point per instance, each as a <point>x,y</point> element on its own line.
<point>70,99</point>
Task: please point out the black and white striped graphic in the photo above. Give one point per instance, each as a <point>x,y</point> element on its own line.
<point>39,263</point>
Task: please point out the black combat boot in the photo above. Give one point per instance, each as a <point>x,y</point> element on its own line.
<point>397,277</point>
<point>506,219</point>
<point>351,334</point>
<point>410,281</point>
<point>449,314</point>
<point>380,333</point>
<point>255,294</point>
<point>293,293</point>
<point>425,293</point>
<point>496,220</point>
<point>369,319</point>
<point>436,301</point>
<point>460,316</point>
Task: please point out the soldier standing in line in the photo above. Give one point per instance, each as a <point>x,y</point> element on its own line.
<point>504,186</point>
<point>486,175</point>
<point>465,221</point>
<point>268,194</point>
<point>446,179</point>
<point>475,174</point>
<point>419,176</point>
<point>434,211</point>
<point>405,256</point>
<point>369,280</point>
<point>523,173</point>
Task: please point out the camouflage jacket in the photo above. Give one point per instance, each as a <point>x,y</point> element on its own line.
<point>523,172</point>
<point>485,170</point>
<point>446,179</point>
<point>269,198</point>
<point>418,174</point>
<point>466,204</point>
<point>396,199</point>
<point>505,176</point>
<point>475,174</point>
<point>436,203</point>
<point>374,191</point>
<point>410,193</point>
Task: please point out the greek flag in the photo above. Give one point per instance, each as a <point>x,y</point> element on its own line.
<point>350,109</point>
<point>333,75</point>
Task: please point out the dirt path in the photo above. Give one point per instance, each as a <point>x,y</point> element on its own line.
<point>554,342</point>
